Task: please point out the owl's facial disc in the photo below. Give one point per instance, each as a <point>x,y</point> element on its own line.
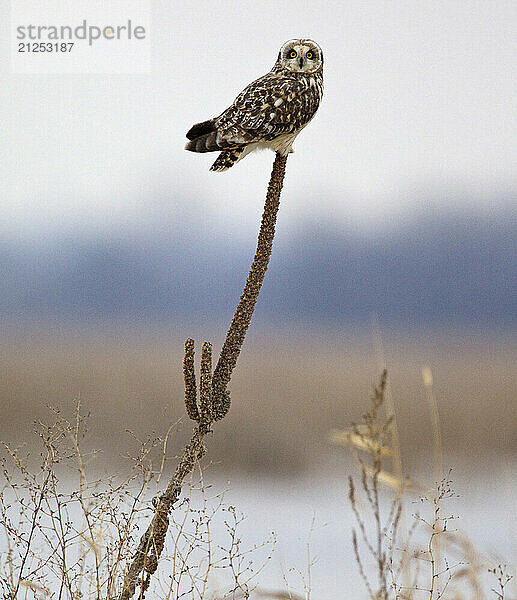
<point>301,56</point>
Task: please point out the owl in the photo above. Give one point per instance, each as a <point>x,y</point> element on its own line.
<point>270,112</point>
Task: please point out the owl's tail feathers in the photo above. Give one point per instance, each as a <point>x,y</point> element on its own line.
<point>204,143</point>
<point>203,138</point>
<point>200,129</point>
<point>227,159</point>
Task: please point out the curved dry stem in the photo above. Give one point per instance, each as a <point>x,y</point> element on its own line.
<point>242,317</point>
<point>214,401</point>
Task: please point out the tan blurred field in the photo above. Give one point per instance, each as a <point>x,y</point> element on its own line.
<point>290,388</point>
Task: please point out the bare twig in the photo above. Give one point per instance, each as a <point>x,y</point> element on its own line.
<point>500,572</point>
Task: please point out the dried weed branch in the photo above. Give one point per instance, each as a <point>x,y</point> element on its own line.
<point>399,565</point>
<point>374,436</point>
<point>500,572</point>
<point>392,556</point>
<point>66,542</point>
<point>213,402</point>
<point>66,535</point>
<point>437,526</point>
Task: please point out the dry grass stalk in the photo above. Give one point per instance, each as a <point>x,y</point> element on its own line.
<point>427,378</point>
<point>214,398</point>
<point>398,469</point>
<point>410,566</point>
<point>391,561</point>
<point>360,441</point>
<point>375,434</point>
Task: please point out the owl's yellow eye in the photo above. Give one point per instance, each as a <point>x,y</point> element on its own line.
<point>292,54</point>
<point>309,55</point>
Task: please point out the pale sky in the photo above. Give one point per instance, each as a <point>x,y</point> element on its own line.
<point>419,95</point>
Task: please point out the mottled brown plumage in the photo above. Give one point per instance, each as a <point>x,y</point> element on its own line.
<point>270,112</point>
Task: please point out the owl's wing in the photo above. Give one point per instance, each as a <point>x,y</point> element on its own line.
<point>266,108</point>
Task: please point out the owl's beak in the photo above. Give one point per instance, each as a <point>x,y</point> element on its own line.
<point>300,62</point>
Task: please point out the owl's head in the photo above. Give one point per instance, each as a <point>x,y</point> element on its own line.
<point>300,56</point>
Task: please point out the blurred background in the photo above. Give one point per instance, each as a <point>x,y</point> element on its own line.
<point>396,244</point>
